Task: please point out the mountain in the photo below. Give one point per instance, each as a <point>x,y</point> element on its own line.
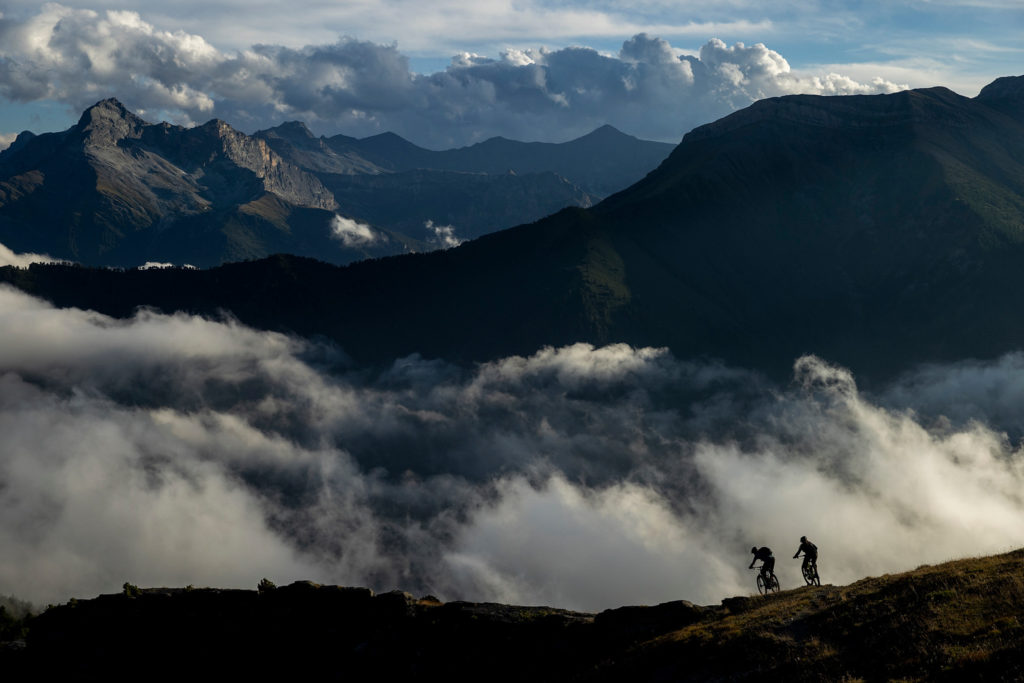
<point>954,621</point>
<point>472,204</point>
<point>876,231</point>
<point>388,181</point>
<point>297,145</point>
<point>115,190</point>
<point>600,163</point>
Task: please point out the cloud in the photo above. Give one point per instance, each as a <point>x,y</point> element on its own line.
<point>487,24</point>
<point>444,235</point>
<point>352,233</point>
<point>169,449</point>
<point>9,258</point>
<point>6,139</point>
<point>650,88</point>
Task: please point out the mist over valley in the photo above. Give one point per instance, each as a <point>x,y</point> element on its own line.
<point>580,476</point>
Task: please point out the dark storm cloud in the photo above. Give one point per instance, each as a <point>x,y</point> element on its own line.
<point>649,88</point>
<point>177,450</point>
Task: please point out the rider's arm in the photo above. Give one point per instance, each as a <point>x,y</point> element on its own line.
<point>752,563</point>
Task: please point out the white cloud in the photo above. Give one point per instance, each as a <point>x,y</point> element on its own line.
<point>352,233</point>
<point>873,488</point>
<point>490,24</point>
<point>175,450</point>
<point>444,235</point>
<point>6,139</point>
<point>561,544</point>
<point>9,258</point>
<point>649,88</point>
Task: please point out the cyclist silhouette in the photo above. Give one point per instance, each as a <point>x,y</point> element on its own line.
<point>767,560</point>
<point>809,568</point>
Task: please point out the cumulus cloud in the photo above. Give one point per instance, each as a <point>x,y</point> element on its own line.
<point>649,88</point>
<point>169,449</point>
<point>9,258</point>
<point>352,233</point>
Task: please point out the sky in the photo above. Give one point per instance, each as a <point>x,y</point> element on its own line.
<point>447,73</point>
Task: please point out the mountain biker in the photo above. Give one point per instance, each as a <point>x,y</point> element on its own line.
<point>767,560</point>
<point>809,550</point>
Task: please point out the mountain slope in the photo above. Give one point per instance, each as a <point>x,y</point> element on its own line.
<point>875,231</point>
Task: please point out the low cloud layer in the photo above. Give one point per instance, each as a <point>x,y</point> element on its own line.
<point>176,450</point>
<point>10,258</point>
<point>650,88</point>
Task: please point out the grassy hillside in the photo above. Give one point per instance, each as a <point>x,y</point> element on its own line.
<point>955,621</point>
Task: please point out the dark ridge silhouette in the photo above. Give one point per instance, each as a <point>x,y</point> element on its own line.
<point>954,621</point>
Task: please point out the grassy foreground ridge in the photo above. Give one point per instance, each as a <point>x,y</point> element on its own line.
<point>955,621</point>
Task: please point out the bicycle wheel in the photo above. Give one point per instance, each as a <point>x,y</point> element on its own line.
<point>761,587</point>
<point>809,573</point>
<point>774,585</point>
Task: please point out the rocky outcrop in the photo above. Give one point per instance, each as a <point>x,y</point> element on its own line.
<point>109,190</point>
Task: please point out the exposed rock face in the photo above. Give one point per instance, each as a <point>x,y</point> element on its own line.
<point>111,188</point>
<point>106,123</point>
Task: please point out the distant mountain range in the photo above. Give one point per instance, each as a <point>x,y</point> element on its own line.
<point>878,231</point>
<point>116,190</point>
<point>600,163</point>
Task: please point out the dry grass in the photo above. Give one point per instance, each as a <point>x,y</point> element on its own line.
<point>954,621</point>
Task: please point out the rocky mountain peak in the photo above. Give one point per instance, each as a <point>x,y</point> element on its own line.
<point>294,130</point>
<point>108,121</point>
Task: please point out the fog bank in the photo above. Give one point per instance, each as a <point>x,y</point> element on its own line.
<point>172,450</point>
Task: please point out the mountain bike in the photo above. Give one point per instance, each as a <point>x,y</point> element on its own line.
<point>766,582</point>
<point>810,572</point>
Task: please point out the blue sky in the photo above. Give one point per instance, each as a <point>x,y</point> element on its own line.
<point>363,66</point>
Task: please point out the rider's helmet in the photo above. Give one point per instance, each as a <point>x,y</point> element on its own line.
<point>803,539</point>
<point>754,550</point>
